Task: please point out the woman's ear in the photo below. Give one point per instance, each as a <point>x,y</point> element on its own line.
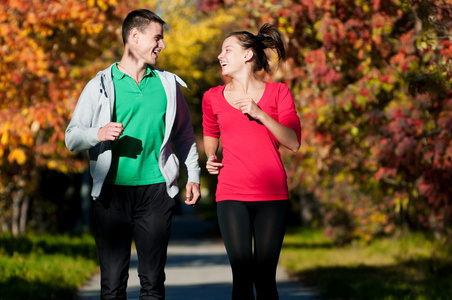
<point>248,55</point>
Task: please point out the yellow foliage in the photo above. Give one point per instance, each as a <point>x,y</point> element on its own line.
<point>4,138</point>
<point>26,140</point>
<point>189,34</point>
<point>63,168</point>
<point>18,156</point>
<point>366,8</point>
<point>52,165</point>
<point>378,218</point>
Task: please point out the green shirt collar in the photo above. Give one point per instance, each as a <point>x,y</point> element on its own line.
<point>120,75</point>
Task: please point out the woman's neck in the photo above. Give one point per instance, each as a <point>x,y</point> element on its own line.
<point>245,84</point>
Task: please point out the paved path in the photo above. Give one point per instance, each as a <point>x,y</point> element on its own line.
<point>197,267</point>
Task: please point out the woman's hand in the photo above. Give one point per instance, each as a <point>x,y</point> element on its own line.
<point>248,107</point>
<point>212,165</point>
<point>285,135</point>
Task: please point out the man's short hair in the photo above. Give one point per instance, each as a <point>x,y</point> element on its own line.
<point>139,19</point>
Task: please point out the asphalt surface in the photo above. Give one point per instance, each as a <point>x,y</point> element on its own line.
<point>197,267</point>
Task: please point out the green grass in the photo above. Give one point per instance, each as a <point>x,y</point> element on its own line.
<point>409,266</point>
<point>45,267</point>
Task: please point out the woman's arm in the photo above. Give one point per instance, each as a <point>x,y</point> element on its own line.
<point>285,135</point>
<point>211,145</point>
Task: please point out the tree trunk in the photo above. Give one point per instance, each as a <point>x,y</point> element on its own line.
<point>23,214</point>
<point>3,219</point>
<point>15,217</point>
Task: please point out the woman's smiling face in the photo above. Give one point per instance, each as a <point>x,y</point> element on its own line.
<point>232,57</point>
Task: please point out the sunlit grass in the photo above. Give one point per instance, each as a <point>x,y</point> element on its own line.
<point>409,266</point>
<point>45,267</point>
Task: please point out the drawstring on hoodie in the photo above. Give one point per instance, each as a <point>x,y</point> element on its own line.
<point>103,86</point>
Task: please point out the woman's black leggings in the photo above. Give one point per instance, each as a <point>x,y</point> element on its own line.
<point>239,222</point>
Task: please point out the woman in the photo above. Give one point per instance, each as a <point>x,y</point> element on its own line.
<point>253,118</point>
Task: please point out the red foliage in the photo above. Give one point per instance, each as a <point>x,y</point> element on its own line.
<point>376,110</point>
<point>210,5</point>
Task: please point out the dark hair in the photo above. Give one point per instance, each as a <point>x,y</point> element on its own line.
<point>139,19</point>
<point>267,37</point>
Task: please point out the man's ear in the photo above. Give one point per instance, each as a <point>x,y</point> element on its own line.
<point>134,35</point>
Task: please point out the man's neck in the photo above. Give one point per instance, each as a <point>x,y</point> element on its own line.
<point>134,70</point>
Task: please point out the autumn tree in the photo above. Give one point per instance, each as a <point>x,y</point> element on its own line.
<point>49,49</point>
<point>372,83</point>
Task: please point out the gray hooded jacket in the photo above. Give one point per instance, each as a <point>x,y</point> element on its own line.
<point>94,109</point>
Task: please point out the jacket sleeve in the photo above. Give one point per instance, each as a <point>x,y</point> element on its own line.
<point>81,133</point>
<point>183,139</point>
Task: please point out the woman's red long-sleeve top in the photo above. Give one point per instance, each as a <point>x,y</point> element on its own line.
<point>252,167</point>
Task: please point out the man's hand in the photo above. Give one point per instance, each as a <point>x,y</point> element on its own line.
<point>110,132</point>
<point>192,194</point>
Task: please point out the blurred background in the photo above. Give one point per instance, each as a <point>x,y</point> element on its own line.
<point>370,79</point>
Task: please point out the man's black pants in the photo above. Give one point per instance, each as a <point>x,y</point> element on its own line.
<point>125,212</point>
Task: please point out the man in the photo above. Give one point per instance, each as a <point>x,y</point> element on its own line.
<point>128,117</point>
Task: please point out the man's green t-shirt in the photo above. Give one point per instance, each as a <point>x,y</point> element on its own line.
<point>141,109</point>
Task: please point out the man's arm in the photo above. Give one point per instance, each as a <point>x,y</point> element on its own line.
<point>186,148</point>
<point>80,134</point>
